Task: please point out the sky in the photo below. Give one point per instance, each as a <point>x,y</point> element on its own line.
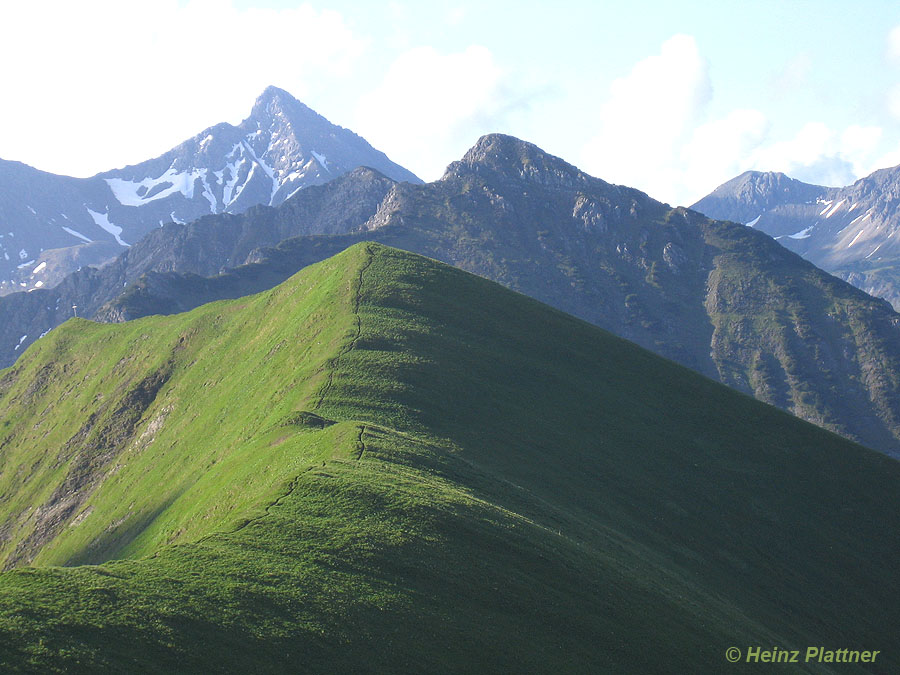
<point>673,98</point>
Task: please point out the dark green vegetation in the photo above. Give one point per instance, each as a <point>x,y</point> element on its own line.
<point>717,297</point>
<point>849,231</point>
<point>201,248</point>
<point>389,465</point>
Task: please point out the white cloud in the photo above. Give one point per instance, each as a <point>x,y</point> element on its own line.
<point>650,115</point>
<point>795,74</point>
<point>887,159</point>
<point>819,154</point>
<point>893,101</point>
<point>431,107</point>
<point>456,15</point>
<point>809,145</point>
<point>893,45</point>
<point>812,155</point>
<point>860,139</point>
<point>653,134</point>
<point>718,149</point>
<point>127,80</point>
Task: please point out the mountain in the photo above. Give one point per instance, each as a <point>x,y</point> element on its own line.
<point>717,297</point>
<point>847,231</point>
<point>201,248</point>
<point>282,147</point>
<point>389,465</point>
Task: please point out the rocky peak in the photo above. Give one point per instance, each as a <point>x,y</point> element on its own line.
<point>764,187</point>
<point>881,186</point>
<point>278,106</point>
<point>746,196</point>
<point>517,159</point>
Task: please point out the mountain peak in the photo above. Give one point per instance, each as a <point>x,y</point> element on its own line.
<point>276,95</point>
<point>502,149</point>
<point>746,196</point>
<point>492,143</point>
<point>767,180</point>
<point>274,101</point>
<point>272,92</point>
<point>515,158</point>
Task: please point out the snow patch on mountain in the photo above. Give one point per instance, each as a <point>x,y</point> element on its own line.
<point>137,193</point>
<point>234,173</point>
<point>321,159</point>
<point>206,174</point>
<point>833,209</point>
<point>803,234</point>
<point>240,188</point>
<point>102,220</point>
<point>266,169</point>
<point>207,192</point>
<point>76,233</point>
<point>857,219</point>
<point>874,250</point>
<point>293,192</point>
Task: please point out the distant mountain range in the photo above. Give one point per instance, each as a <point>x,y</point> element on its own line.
<point>718,297</point>
<point>851,232</point>
<point>388,465</point>
<point>51,225</point>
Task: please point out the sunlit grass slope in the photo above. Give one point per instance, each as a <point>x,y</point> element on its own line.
<point>389,465</point>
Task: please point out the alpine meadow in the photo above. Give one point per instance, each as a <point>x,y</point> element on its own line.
<point>386,464</point>
<point>417,338</point>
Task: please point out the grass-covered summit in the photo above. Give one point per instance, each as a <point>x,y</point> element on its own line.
<point>389,465</point>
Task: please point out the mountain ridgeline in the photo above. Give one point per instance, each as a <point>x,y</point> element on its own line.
<point>201,248</point>
<point>717,297</point>
<point>52,225</point>
<point>412,469</point>
<point>849,231</point>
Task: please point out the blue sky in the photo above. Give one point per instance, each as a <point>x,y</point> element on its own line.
<point>669,97</point>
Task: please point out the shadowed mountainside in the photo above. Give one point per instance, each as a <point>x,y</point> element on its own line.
<point>718,297</point>
<point>409,468</point>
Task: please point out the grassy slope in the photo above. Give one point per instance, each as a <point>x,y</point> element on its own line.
<point>505,488</point>
<point>717,297</point>
<point>212,439</point>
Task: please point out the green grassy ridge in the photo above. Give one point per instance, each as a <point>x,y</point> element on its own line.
<point>721,298</point>
<point>580,416</point>
<point>505,488</point>
<point>368,567</point>
<point>717,297</point>
<point>214,404</point>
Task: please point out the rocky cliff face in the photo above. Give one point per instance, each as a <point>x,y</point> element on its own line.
<point>281,148</point>
<point>718,297</point>
<point>850,231</point>
<point>202,248</point>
